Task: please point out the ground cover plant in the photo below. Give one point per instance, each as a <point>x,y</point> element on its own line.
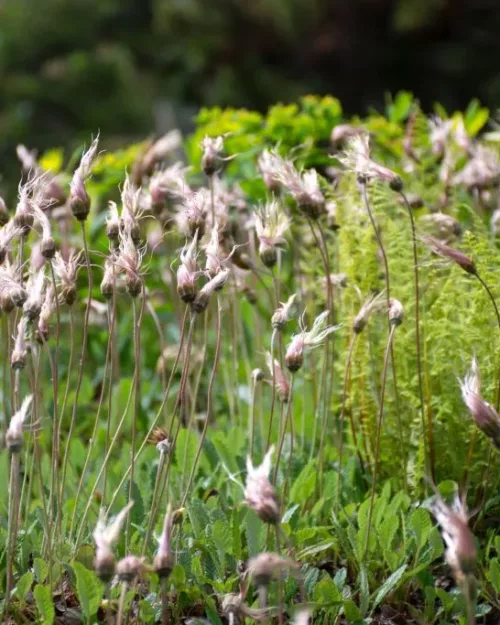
<point>253,375</point>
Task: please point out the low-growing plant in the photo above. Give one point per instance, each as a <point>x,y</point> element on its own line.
<point>235,371</point>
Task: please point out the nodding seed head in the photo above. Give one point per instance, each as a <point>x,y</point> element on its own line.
<point>105,536</point>
<point>35,288</point>
<point>164,560</point>
<point>187,273</point>
<point>396,312</point>
<point>260,494</point>
<point>356,158</point>
<point>20,351</point>
<point>129,568</point>
<point>212,158</point>
<point>269,164</point>
<point>461,552</point>
<point>361,319</point>
<point>484,415</point>
<point>113,222</point>
<point>202,298</point>
<point>280,382</point>
<point>257,375</point>
<point>264,567</point>
<point>307,340</point>
<point>4,213</point>
<point>193,215</point>
<point>463,261</point>
<point>284,313</point>
<point>79,198</point>
<point>270,225</point>
<point>14,437</point>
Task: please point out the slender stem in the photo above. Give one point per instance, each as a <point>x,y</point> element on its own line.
<point>164,600</point>
<point>497,315</point>
<point>121,605</point>
<point>252,416</point>
<point>163,402</point>
<point>111,330</point>
<point>209,401</point>
<point>377,442</point>
<point>84,343</point>
<point>13,522</point>
<point>137,369</point>
<point>159,473</point>
<point>283,429</point>
<point>366,201</point>
<point>273,388</point>
<point>55,390</point>
<point>66,392</point>
<point>430,427</point>
<point>342,417</point>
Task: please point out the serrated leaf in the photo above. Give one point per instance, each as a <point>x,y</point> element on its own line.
<point>24,585</point>
<point>390,584</point>
<point>311,579</point>
<point>44,604</point>
<point>89,590</point>
<point>421,525</point>
<point>494,574</point>
<point>254,529</point>
<point>199,517</point>
<point>137,511</point>
<point>305,484</point>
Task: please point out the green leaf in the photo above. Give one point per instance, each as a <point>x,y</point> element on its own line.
<point>254,531</point>
<point>389,585</point>
<point>305,484</point>
<point>45,607</point>
<point>199,517</point>
<point>364,591</point>
<point>24,585</point>
<point>137,511</point>
<point>351,612</point>
<point>421,525</point>
<point>326,591</point>
<point>89,590</point>
<point>494,574</point>
<point>41,570</point>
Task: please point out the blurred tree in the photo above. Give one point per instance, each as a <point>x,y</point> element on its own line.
<point>128,67</point>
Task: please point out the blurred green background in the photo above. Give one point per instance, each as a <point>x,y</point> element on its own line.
<point>135,67</point>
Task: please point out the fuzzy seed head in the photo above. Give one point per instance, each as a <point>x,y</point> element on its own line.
<point>260,494</point>
<point>396,312</point>
<point>284,313</point>
<point>14,437</point>
<point>461,552</point>
<point>164,560</point>
<point>35,288</point>
<point>79,198</point>
<point>484,415</point>
<point>372,303</point>
<point>266,566</point>
<point>280,382</point>
<point>463,261</point>
<point>271,223</point>
<point>212,158</point>
<point>202,298</point>
<point>356,158</point>
<point>129,568</point>
<point>20,351</point>
<point>188,273</point>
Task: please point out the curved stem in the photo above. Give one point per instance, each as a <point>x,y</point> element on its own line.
<point>137,370</point>
<point>163,402</point>
<point>377,442</point>
<point>380,243</point>
<point>273,388</point>
<point>209,401</point>
<point>283,429</point>
<point>430,427</point>
<point>342,417</point>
